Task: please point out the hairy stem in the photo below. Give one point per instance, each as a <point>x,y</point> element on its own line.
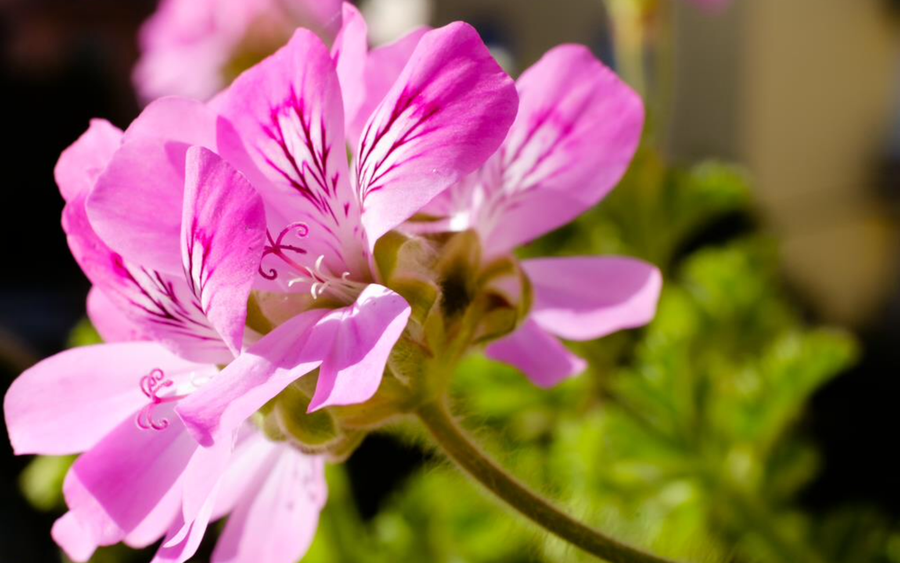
<point>472,460</point>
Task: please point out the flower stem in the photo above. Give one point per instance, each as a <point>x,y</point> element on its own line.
<point>472,460</point>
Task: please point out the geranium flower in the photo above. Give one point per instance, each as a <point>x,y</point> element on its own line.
<point>282,124</point>
<point>194,48</point>
<point>142,476</point>
<point>576,132</point>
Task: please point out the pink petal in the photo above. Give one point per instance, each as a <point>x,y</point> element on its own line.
<point>223,232</point>
<point>111,322</point>
<point>276,521</point>
<point>160,305</point>
<point>187,44</point>
<point>289,113</point>
<point>587,298</point>
<point>248,464</point>
<point>135,208</point>
<point>70,401</point>
<point>383,67</point>
<point>200,486</point>
<point>539,355</point>
<point>447,112</point>
<point>220,407</point>
<point>79,165</point>
<point>192,532</point>
<point>73,538</point>
<point>364,335</point>
<point>129,485</point>
<point>577,130</point>
<point>367,76</point>
<point>350,344</point>
<point>350,51</point>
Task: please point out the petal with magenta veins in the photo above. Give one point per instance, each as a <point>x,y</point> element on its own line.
<point>366,76</point>
<point>588,298</point>
<point>288,111</point>
<point>161,305</point>
<point>135,207</point>
<point>363,336</point>
<point>69,402</point>
<point>537,354</point>
<point>383,65</point>
<point>81,163</point>
<point>576,132</point>
<point>110,322</point>
<point>222,240</point>
<point>446,113</point>
<point>276,520</point>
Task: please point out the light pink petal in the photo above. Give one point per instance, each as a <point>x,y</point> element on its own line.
<point>248,464</point>
<point>189,533</point>
<point>350,53</point>
<point>289,113</point>
<point>577,130</point>
<point>220,407</point>
<point>448,111</point>
<point>135,207</point>
<point>73,538</point>
<point>200,485</point>
<point>367,76</point>
<point>276,521</point>
<point>587,298</point>
<point>160,305</point>
<point>223,233</point>
<point>322,16</point>
<point>539,355</point>
<point>69,402</point>
<point>128,486</point>
<point>111,323</point>
<point>383,66</point>
<point>183,47</point>
<point>79,165</point>
<point>365,334</point>
<point>187,45</point>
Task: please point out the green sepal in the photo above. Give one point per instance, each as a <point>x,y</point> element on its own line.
<point>308,430</point>
<point>421,294</point>
<point>457,269</point>
<point>386,253</point>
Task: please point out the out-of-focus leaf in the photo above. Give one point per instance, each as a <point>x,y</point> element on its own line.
<point>41,481</point>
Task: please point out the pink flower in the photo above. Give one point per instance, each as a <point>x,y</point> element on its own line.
<point>447,111</point>
<point>427,111</point>
<point>577,129</point>
<point>142,476</point>
<point>195,47</point>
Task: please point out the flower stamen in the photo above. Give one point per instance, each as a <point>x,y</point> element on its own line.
<point>151,384</point>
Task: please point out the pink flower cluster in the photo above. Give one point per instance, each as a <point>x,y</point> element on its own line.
<point>197,208</point>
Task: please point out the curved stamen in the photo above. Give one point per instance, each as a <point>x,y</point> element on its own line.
<point>279,248</point>
<point>151,384</point>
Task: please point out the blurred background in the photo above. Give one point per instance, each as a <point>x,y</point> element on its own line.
<point>754,420</point>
